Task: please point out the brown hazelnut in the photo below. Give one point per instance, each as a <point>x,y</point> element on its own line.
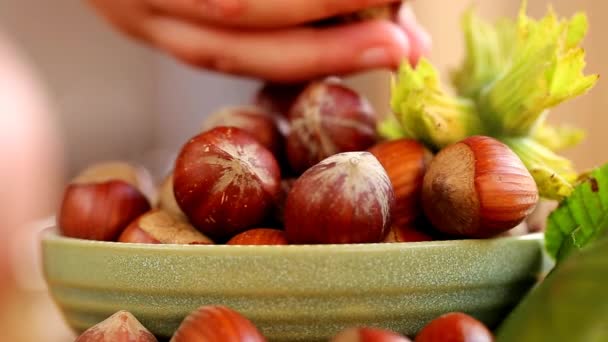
<point>100,202</point>
<point>405,162</point>
<point>259,236</point>
<point>456,327</point>
<point>225,182</point>
<point>368,335</point>
<point>257,121</point>
<point>326,119</point>
<point>217,323</point>
<point>477,188</point>
<point>158,226</point>
<point>346,198</point>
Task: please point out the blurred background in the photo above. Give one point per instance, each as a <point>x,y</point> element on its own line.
<point>100,96</point>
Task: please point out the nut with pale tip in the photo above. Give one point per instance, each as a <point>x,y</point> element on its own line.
<point>326,119</point>
<point>120,327</point>
<point>160,227</point>
<point>166,198</point>
<point>260,123</point>
<point>102,200</point>
<point>346,198</point>
<point>225,182</point>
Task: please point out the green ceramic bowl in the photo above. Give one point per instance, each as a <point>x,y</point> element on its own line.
<point>292,293</point>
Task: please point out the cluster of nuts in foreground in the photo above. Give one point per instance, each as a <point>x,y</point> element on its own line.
<point>220,323</point>
<point>304,165</point>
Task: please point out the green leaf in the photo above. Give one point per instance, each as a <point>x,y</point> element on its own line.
<point>546,70</point>
<point>571,304</point>
<point>488,50</point>
<point>581,218</point>
<point>553,174</point>
<point>426,112</point>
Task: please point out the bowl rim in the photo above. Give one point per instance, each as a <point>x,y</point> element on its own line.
<point>51,235</point>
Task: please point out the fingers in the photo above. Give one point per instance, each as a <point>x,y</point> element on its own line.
<point>261,14</point>
<point>125,16</point>
<point>420,39</point>
<point>287,55</point>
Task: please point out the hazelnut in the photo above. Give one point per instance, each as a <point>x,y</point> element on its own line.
<point>217,323</point>
<point>406,234</point>
<point>225,182</point>
<point>326,119</point>
<point>166,199</point>
<point>102,201</point>
<point>346,198</point>
<point>278,216</point>
<point>477,188</point>
<point>456,327</point>
<point>368,335</point>
<point>259,236</point>
<point>120,327</point>
<point>405,162</point>
<point>258,122</point>
<point>278,98</point>
<point>158,226</point>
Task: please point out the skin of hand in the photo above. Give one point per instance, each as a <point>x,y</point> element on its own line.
<point>30,154</point>
<point>270,39</point>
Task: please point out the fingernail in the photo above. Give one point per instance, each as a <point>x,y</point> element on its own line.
<point>375,57</point>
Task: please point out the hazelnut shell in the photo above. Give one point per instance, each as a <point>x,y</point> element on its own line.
<point>158,226</point>
<point>405,162</point>
<point>225,182</point>
<point>326,119</point>
<point>259,236</point>
<point>347,198</point>
<point>477,188</point>
<point>102,201</point>
<point>120,327</point>
<point>216,323</point>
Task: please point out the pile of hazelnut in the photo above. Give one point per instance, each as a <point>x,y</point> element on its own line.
<point>304,165</point>
<point>220,323</point>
